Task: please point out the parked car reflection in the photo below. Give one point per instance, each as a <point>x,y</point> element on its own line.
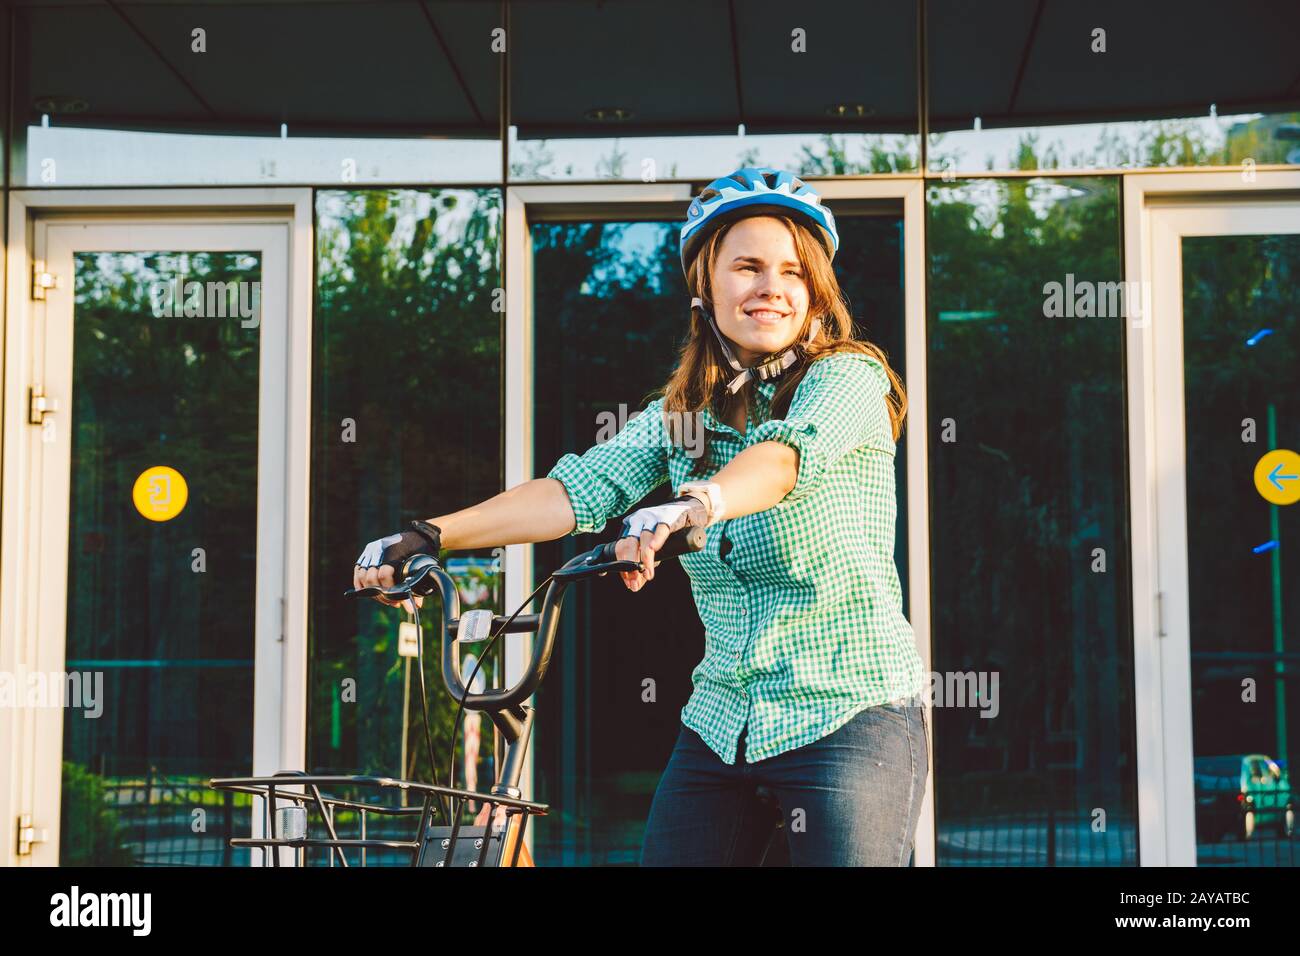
<point>1236,794</point>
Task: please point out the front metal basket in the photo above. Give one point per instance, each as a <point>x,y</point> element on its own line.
<point>381,821</point>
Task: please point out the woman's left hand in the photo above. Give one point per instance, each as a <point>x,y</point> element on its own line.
<point>646,530</point>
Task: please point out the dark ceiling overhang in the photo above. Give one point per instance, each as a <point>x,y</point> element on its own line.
<point>408,68</point>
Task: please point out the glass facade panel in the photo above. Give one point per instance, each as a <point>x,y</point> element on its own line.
<point>406,424</point>
<point>1033,663</point>
<point>1242,392</point>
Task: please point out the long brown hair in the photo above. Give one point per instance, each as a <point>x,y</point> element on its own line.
<point>702,372</point>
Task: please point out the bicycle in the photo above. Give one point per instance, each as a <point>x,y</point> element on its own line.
<point>496,836</point>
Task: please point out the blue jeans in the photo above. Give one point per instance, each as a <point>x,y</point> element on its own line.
<point>852,798</point>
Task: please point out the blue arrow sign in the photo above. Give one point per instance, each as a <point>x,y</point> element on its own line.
<point>1277,479</point>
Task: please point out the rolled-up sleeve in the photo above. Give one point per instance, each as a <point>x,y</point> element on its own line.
<point>839,406</point>
<point>612,476</point>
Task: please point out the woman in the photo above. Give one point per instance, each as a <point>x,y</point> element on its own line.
<point>810,683</point>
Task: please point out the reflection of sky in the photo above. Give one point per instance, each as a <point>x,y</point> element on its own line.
<point>128,157</point>
<point>1081,146</point>
<point>988,196</point>
<point>98,273</point>
<point>637,243</point>
<point>690,157</point>
<point>115,157</point>
<point>1076,146</point>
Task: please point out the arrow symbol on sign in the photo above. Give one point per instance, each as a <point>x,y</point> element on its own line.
<point>1277,479</point>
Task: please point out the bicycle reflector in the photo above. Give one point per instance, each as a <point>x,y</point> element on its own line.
<point>474,626</point>
<point>291,822</point>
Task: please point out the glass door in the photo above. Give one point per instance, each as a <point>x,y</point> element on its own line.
<point>610,310</point>
<point>1227,366</point>
<point>155,502</point>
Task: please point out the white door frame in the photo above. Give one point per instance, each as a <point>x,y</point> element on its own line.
<point>1160,207</point>
<point>282,604</point>
<point>905,193</point>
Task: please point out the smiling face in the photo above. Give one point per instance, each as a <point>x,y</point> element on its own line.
<point>760,291</point>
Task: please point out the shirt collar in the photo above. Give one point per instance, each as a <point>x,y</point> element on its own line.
<point>763,392</point>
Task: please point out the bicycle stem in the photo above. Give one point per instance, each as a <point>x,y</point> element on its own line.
<point>504,707</point>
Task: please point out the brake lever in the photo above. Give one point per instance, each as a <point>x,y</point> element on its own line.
<point>592,568</point>
<point>398,593</point>
<point>422,583</point>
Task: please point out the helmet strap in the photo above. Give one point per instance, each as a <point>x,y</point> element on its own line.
<point>763,371</point>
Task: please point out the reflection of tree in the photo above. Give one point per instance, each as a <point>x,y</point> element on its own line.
<point>536,160</point>
<point>833,159</point>
<point>612,165</point>
<point>407,347</point>
<point>92,831</point>
<point>538,163</point>
<point>1035,479</point>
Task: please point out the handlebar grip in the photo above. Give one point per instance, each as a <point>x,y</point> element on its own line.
<point>678,543</point>
<point>683,542</point>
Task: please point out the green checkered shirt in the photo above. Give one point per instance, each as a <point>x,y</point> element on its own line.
<point>803,616</point>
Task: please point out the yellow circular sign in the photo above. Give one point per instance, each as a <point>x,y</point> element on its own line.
<point>160,493</point>
<point>1277,476</point>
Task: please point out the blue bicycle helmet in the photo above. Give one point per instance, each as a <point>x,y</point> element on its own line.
<point>754,191</point>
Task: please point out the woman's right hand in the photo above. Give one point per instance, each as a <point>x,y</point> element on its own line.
<point>376,565</point>
<point>634,549</point>
<point>646,530</point>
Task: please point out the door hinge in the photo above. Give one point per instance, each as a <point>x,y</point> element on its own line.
<point>39,405</point>
<point>42,279</point>
<point>1160,613</point>
<point>29,835</point>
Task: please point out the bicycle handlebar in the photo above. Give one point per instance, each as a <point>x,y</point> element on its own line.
<point>421,574</point>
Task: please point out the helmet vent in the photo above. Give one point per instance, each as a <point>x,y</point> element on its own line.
<point>770,179</point>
